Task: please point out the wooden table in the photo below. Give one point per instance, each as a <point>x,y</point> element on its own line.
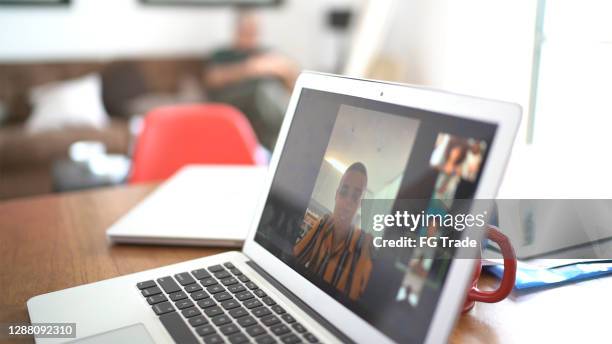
<point>54,242</point>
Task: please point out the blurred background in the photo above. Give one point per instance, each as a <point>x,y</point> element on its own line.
<point>78,78</point>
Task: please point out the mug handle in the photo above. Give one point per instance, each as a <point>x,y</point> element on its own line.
<point>509,277</point>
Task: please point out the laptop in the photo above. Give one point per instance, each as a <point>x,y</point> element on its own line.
<point>195,207</point>
<point>307,273</point>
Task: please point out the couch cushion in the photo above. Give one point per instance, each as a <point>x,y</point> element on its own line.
<point>19,149</point>
<point>71,103</point>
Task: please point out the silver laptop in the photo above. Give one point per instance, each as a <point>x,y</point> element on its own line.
<point>308,272</point>
<point>195,207</point>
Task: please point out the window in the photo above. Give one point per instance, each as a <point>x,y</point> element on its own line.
<point>572,73</point>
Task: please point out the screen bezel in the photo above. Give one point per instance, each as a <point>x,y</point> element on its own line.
<point>505,115</point>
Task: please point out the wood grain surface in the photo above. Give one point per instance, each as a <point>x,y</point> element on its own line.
<point>54,242</point>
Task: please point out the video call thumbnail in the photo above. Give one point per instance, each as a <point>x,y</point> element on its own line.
<point>454,159</point>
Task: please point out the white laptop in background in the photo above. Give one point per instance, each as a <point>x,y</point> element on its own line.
<point>337,131</point>
<point>196,206</point>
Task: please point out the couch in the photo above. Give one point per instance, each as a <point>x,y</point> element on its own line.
<point>128,87</point>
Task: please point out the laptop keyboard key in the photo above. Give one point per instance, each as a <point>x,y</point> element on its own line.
<point>259,293</point>
<point>222,275</point>
<point>229,281</point>
<point>270,320</point>
<point>310,338</point>
<point>238,338</point>
<point>267,339</point>
<point>206,303</point>
<point>280,329</point>
<point>291,339</point>
<point>168,284</point>
<point>222,296</point>
<point>199,295</point>
<point>229,265</point>
<point>179,295</point>
<point>246,321</point>
<point>251,285</point>
<point>278,309</point>
<point>184,278</point>
<point>146,284</point>
<point>213,311</point>
<point>243,279</point>
<point>198,320</point>
<point>261,312</point>
<point>193,288</point>
<point>298,328</point>
<point>191,312</point>
<point>235,271</point>
<point>255,331</point>
<point>156,299</point>
<point>151,291</point>
<point>229,329</point>
<point>206,330</point>
<point>207,282</point>
<point>213,289</point>
<point>214,339</point>
<point>177,328</point>
<point>163,308</point>
<point>238,312</point>
<point>252,303</point>
<point>215,268</point>
<point>245,295</point>
<point>236,288</point>
<point>268,301</point>
<point>221,320</point>
<point>200,274</point>
<point>182,304</point>
<point>288,318</point>
<point>229,304</point>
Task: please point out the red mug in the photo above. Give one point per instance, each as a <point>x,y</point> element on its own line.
<point>508,279</point>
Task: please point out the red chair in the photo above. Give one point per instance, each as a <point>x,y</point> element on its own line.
<point>175,136</point>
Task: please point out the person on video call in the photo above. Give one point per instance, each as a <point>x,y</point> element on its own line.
<point>255,80</point>
<point>451,169</point>
<point>334,248</point>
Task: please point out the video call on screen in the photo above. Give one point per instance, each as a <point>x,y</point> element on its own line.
<point>342,149</point>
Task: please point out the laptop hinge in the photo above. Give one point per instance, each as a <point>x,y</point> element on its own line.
<point>301,304</point>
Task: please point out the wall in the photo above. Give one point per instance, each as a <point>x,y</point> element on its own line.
<point>101,29</point>
<point>489,50</point>
<point>416,40</point>
<point>485,48</point>
<point>477,47</point>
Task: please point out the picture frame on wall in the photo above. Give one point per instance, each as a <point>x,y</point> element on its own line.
<point>253,3</point>
<point>34,2</point>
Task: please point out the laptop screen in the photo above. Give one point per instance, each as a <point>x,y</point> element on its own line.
<point>342,150</point>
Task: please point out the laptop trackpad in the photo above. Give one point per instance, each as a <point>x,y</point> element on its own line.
<point>136,334</point>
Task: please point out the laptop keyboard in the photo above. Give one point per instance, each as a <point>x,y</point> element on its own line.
<point>223,306</point>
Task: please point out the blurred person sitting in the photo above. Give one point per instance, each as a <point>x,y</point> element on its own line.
<point>252,78</point>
